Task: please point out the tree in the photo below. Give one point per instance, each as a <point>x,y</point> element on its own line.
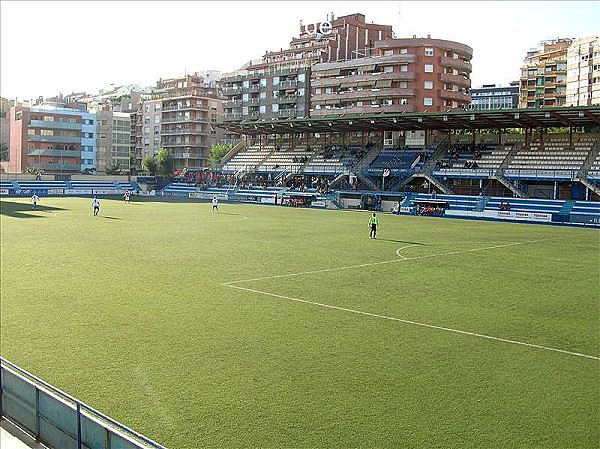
<point>114,169</point>
<point>3,151</point>
<point>216,154</point>
<point>149,165</point>
<point>132,167</point>
<point>164,162</point>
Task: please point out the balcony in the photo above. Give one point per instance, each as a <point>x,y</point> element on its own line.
<point>255,87</point>
<point>232,90</point>
<point>288,84</point>
<point>454,95</point>
<point>455,79</point>
<point>54,125</point>
<point>451,62</point>
<point>395,108</point>
<point>353,80</point>
<point>54,153</point>
<point>232,103</point>
<point>53,139</point>
<point>386,92</point>
<point>58,168</point>
<point>168,132</point>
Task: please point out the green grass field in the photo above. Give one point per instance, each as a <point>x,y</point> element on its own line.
<point>279,327</point>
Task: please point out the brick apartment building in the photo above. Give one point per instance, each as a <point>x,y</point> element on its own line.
<point>47,137</point>
<point>402,75</point>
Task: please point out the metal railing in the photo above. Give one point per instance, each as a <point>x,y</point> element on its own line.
<point>58,420</point>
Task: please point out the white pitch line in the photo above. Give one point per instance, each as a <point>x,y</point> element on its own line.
<point>400,249</point>
<point>416,323</point>
<point>327,270</point>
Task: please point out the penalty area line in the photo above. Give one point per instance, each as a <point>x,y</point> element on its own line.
<point>415,323</point>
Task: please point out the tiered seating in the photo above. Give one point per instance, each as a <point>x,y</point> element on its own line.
<point>286,160</point>
<point>6,185</point>
<point>127,185</point>
<point>594,171</point>
<point>251,157</point>
<point>526,205</point>
<point>586,208</point>
<point>395,160</point>
<point>320,164</point>
<point>86,185</point>
<point>553,158</point>
<point>175,188</point>
<point>489,162</point>
<point>42,185</point>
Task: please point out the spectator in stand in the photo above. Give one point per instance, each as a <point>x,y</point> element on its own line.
<point>507,207</point>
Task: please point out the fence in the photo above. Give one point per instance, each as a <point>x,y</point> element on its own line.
<point>58,420</point>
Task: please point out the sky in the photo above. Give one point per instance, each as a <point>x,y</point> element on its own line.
<point>53,47</point>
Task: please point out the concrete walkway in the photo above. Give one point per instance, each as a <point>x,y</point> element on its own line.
<point>11,437</point>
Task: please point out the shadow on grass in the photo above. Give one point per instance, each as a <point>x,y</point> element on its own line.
<point>17,210</point>
<point>110,218</point>
<point>401,241</point>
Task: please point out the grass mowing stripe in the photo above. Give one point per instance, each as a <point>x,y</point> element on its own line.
<point>431,326</point>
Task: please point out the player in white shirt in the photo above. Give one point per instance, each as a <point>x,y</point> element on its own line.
<point>215,204</point>
<point>34,199</point>
<point>96,205</point>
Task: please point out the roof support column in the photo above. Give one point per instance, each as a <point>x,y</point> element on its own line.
<point>570,136</point>
<point>542,131</point>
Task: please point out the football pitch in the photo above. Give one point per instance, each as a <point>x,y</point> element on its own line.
<point>271,327</point>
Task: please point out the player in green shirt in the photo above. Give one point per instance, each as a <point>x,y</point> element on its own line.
<point>373,223</point>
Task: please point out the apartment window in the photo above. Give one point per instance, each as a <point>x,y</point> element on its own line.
<point>46,132</point>
<point>275,107</point>
<point>31,131</point>
<point>428,68</point>
<point>157,130</point>
<point>275,81</point>
<point>156,141</point>
<point>404,68</point>
<point>428,85</point>
<point>403,101</point>
<point>301,77</point>
<point>263,82</point>
<point>429,52</point>
<point>387,102</point>
<point>246,84</point>
<point>388,52</point>
<point>403,51</point>
<point>157,107</point>
<point>157,119</point>
<point>262,109</point>
<point>403,84</point>
<point>388,69</point>
<point>427,101</point>
<point>147,108</point>
<point>317,91</point>
<point>263,95</point>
